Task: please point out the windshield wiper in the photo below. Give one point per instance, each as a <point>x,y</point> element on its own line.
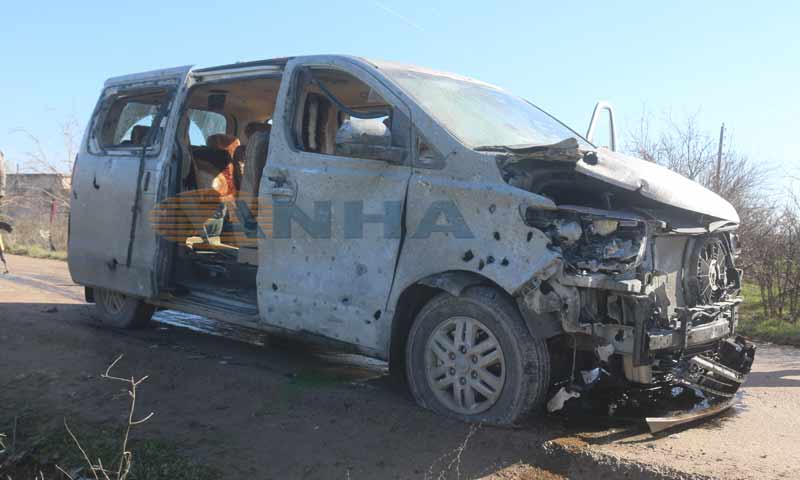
<point>491,148</point>
<point>566,150</point>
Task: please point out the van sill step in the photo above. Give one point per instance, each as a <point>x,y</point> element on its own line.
<point>212,306</point>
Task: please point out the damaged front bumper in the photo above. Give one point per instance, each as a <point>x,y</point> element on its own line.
<point>699,386</point>
<point>706,410</point>
<point>715,378</point>
<point>696,328</point>
<point>653,307</point>
<point>721,372</point>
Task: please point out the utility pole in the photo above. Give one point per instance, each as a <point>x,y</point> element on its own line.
<point>719,157</point>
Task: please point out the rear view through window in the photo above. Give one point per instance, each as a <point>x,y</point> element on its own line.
<point>127,119</point>
<point>203,124</point>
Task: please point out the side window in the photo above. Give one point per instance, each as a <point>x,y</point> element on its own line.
<point>129,119</point>
<point>338,114</point>
<point>203,124</point>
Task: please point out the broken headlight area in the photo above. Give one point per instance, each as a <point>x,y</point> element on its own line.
<point>592,241</point>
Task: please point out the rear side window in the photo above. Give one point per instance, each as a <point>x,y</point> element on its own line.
<point>129,119</point>
<point>203,124</point>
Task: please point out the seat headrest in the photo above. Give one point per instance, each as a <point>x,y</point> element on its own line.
<point>239,154</point>
<point>254,127</point>
<point>139,134</point>
<point>212,160</point>
<point>222,141</point>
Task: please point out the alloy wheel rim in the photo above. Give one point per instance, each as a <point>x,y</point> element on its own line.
<point>465,365</point>
<point>113,301</point>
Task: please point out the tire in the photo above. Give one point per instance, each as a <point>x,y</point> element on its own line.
<point>502,375</point>
<point>117,310</point>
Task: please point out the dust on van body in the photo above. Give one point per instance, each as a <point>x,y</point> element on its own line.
<point>623,271</point>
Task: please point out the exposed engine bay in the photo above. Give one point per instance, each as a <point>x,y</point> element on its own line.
<point>645,296</point>
<point>593,242</point>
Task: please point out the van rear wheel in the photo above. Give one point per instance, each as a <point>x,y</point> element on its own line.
<point>118,310</point>
<point>472,357</point>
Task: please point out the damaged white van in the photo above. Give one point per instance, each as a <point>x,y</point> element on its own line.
<point>492,255</point>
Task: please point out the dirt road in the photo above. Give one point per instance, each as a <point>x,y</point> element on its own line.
<point>255,409</point>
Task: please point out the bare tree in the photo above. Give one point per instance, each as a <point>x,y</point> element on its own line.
<point>770,230</point>
<point>683,147</point>
<point>37,157</point>
<point>40,209</point>
<point>125,460</point>
<point>687,149</point>
<point>775,259</point>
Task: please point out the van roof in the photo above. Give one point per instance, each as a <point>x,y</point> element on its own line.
<point>257,63</point>
<point>280,62</point>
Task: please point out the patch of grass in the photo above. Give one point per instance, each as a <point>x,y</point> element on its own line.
<point>315,378</point>
<point>56,446</point>
<point>36,251</point>
<point>159,459</point>
<point>752,300</point>
<point>153,459</point>
<point>775,330</point>
<point>753,324</point>
<point>290,395</point>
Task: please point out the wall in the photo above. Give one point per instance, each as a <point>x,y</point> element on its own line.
<point>30,199</point>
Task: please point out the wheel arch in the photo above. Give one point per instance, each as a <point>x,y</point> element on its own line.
<point>454,282</point>
<point>415,296</point>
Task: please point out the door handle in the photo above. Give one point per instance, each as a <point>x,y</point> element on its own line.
<point>281,187</point>
<point>277,180</point>
<point>282,191</point>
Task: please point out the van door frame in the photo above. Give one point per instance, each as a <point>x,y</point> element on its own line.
<point>282,305</point>
<point>102,181</point>
<point>211,77</point>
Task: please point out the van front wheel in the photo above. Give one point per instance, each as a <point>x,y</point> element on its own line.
<point>118,310</point>
<point>472,357</point>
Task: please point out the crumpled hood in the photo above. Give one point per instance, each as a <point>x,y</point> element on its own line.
<point>658,183</point>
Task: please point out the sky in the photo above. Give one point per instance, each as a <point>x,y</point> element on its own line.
<point>732,62</point>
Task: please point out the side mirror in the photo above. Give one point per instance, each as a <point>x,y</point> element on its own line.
<point>612,133</point>
<point>368,138</point>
